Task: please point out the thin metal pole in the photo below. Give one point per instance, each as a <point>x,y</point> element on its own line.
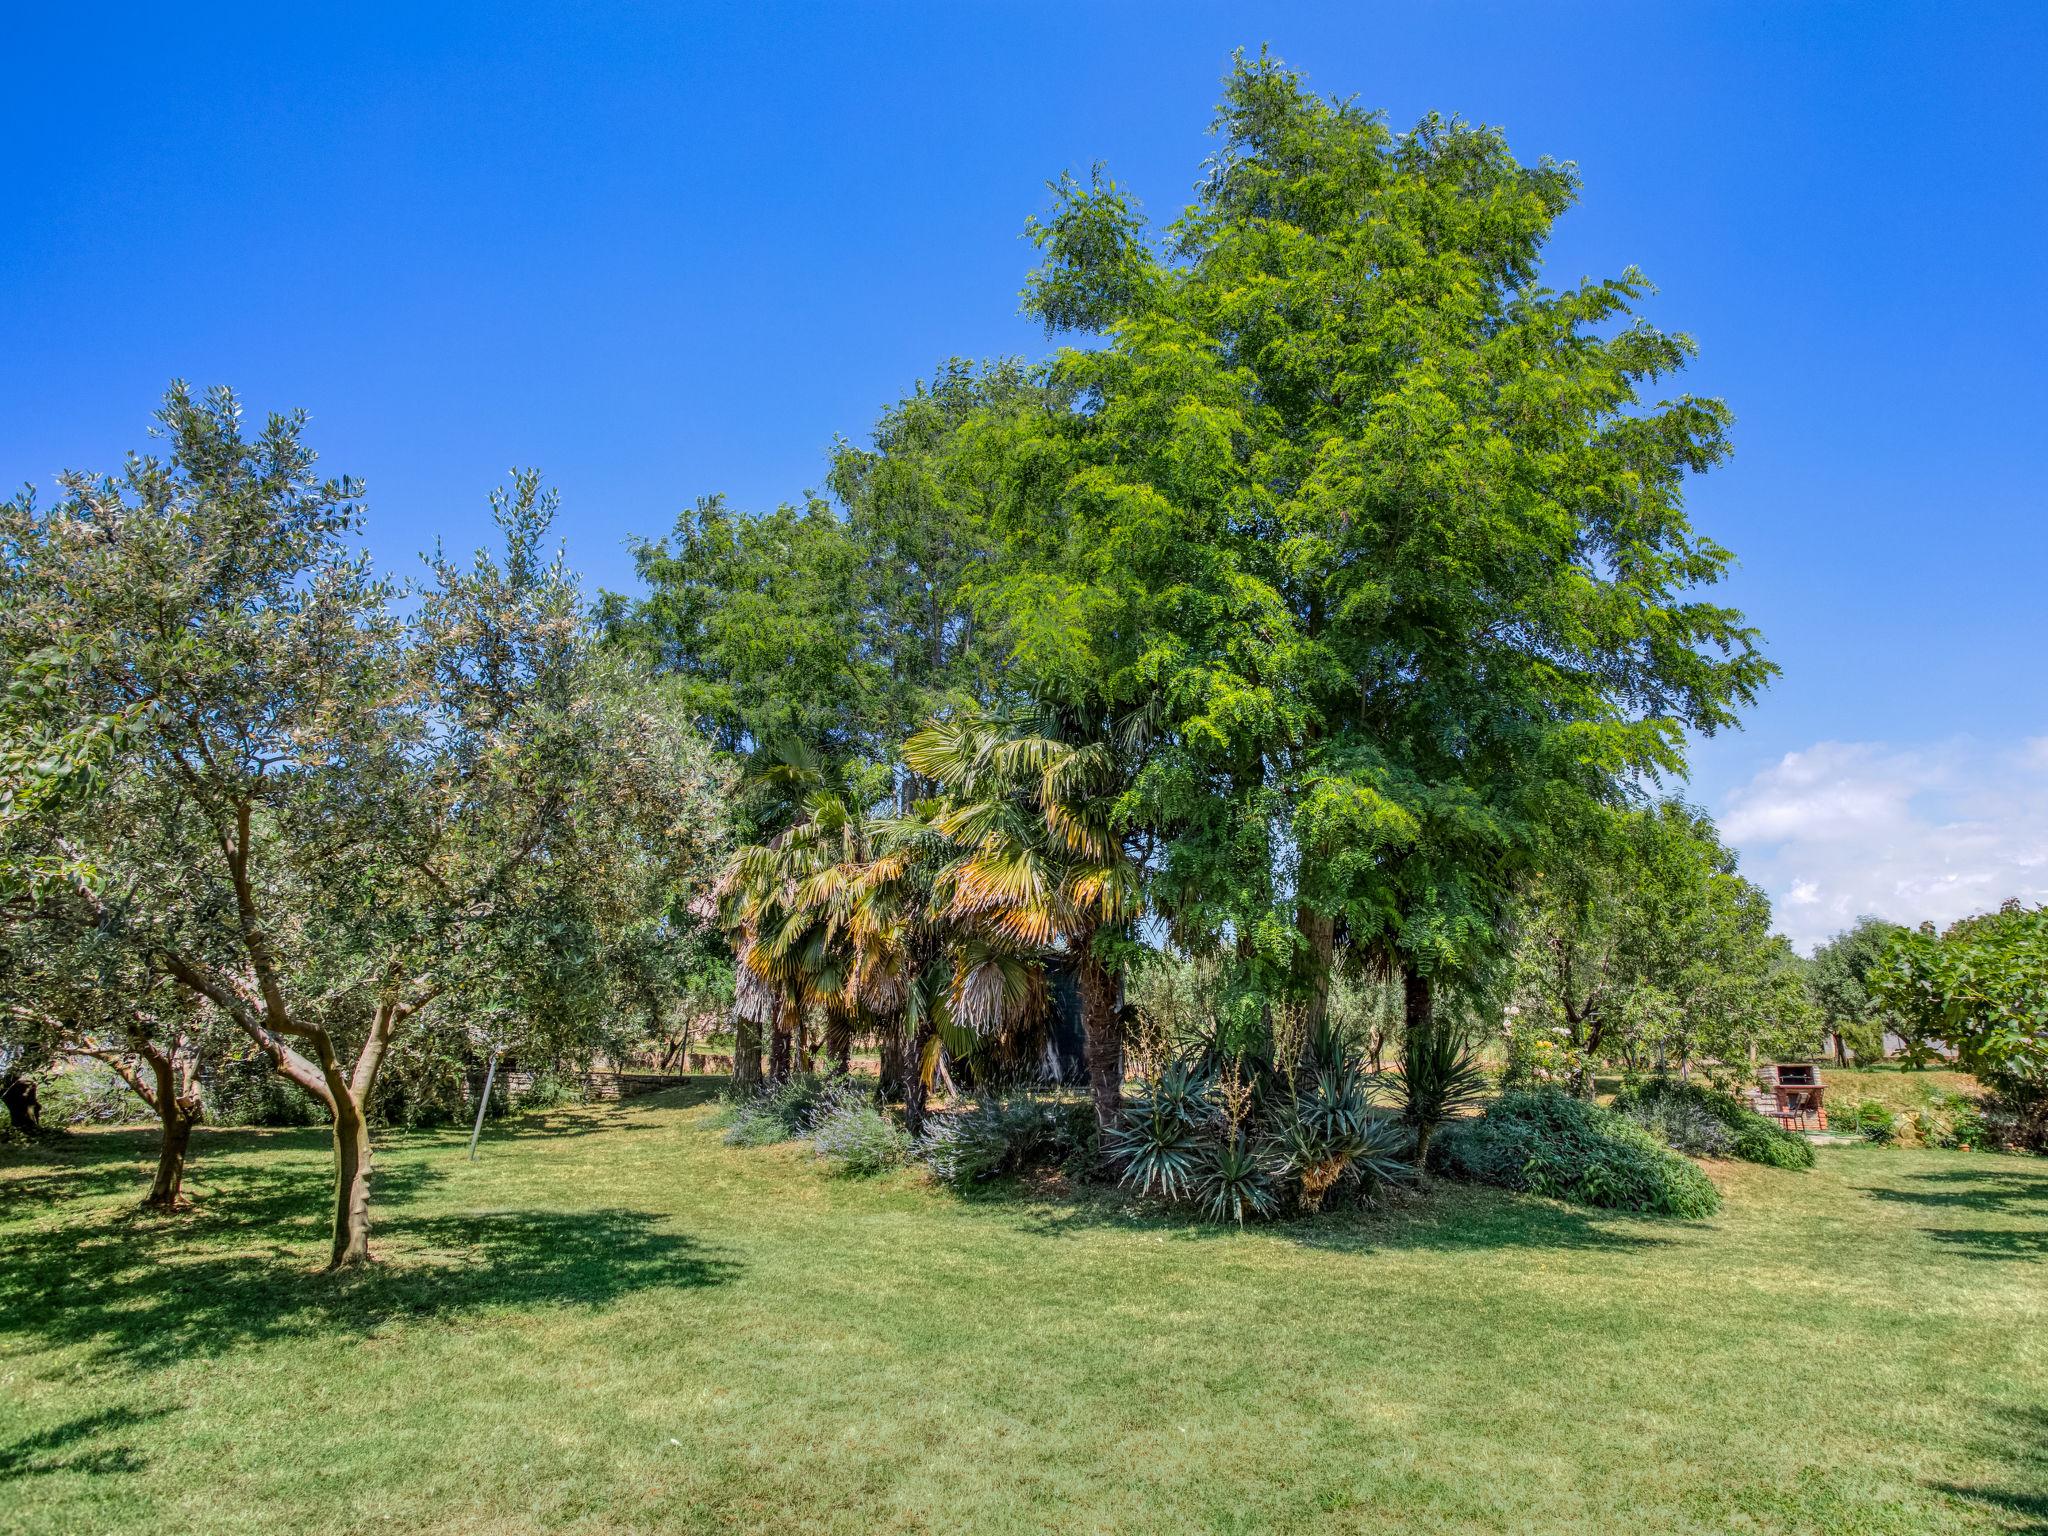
<point>483,1104</point>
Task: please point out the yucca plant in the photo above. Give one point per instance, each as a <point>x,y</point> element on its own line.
<point>1440,1078</point>
<point>1328,1126</point>
<point>1158,1142</point>
<point>1234,1179</point>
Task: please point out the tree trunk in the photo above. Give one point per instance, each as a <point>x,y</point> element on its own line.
<point>839,1042</point>
<point>915,1093</point>
<point>894,1072</point>
<point>351,1185</point>
<point>1100,1028</point>
<point>1418,1021</point>
<point>167,1193</point>
<point>781,1041</point>
<point>177,1107</point>
<point>746,1055</point>
<point>24,1110</point>
<point>1319,933</point>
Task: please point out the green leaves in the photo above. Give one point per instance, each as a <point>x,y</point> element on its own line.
<point>1981,986</point>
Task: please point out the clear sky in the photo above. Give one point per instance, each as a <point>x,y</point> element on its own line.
<point>664,250</point>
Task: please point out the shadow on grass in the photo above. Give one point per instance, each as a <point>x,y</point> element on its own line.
<point>146,1289</point>
<point>59,1448</point>
<point>2019,1439</point>
<point>2008,1190</point>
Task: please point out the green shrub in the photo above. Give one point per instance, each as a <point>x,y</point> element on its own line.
<point>778,1112</point>
<point>1705,1122</point>
<point>857,1139</point>
<point>251,1093</point>
<point>1549,1143</point>
<point>1003,1133</point>
<point>1966,1128</point>
<point>1874,1122</point>
<point>552,1090</point>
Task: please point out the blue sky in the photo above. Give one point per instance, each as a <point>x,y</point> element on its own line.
<point>666,250</point>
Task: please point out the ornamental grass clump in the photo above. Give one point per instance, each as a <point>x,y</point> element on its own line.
<point>1549,1143</point>
<point>1704,1122</point>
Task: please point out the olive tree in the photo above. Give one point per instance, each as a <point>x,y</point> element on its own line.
<point>339,810</point>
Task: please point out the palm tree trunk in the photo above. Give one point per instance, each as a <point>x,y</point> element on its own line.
<point>839,1042</point>
<point>915,1093</point>
<point>1102,1032</point>
<point>746,1054</point>
<point>781,1041</point>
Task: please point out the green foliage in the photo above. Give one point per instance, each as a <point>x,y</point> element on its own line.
<point>856,1139</point>
<point>1646,940</point>
<point>1550,1143</point>
<point>1875,1122</point>
<point>1158,1143</point>
<point>1393,531</point>
<point>1704,1122</point>
<point>1840,977</point>
<point>1441,1077</point>
<point>1981,987</point>
<point>552,1090</point>
<point>1233,1179</point>
<point>88,1093</point>
<point>246,1091</point>
<point>1004,1133</point>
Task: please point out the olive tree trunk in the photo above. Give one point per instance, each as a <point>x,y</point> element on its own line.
<point>177,1107</point>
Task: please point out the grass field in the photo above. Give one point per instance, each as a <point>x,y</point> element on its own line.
<point>613,1322</point>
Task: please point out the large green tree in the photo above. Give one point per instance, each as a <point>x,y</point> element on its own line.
<point>1394,531</point>
<point>1644,938</point>
<point>1839,977</point>
<point>1980,986</point>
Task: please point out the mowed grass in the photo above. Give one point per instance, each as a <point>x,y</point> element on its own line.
<point>613,1322</point>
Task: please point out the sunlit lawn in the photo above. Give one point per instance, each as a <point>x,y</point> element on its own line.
<point>615,1322</point>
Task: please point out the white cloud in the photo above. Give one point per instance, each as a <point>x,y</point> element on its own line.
<point>1909,833</point>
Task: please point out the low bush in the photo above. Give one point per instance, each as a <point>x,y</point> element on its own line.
<point>856,1139</point>
<point>89,1093</point>
<point>1875,1122</point>
<point>1704,1122</point>
<point>250,1092</point>
<point>1004,1133</point>
<point>552,1090</point>
<point>1549,1143</point>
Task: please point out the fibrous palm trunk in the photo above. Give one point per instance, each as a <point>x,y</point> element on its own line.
<point>1102,1035</point>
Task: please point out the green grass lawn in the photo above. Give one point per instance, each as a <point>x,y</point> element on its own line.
<point>614,1322</point>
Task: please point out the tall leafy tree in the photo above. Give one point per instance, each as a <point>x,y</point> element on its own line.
<point>1981,987</point>
<point>1396,531</point>
<point>763,621</point>
<point>1839,978</point>
<point>78,995</point>
<point>1644,937</point>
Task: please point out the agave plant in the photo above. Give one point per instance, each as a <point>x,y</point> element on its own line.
<point>1158,1140</point>
<point>1330,1125</point>
<point>1234,1179</point>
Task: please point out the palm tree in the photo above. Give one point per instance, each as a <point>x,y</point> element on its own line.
<point>1040,863</point>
